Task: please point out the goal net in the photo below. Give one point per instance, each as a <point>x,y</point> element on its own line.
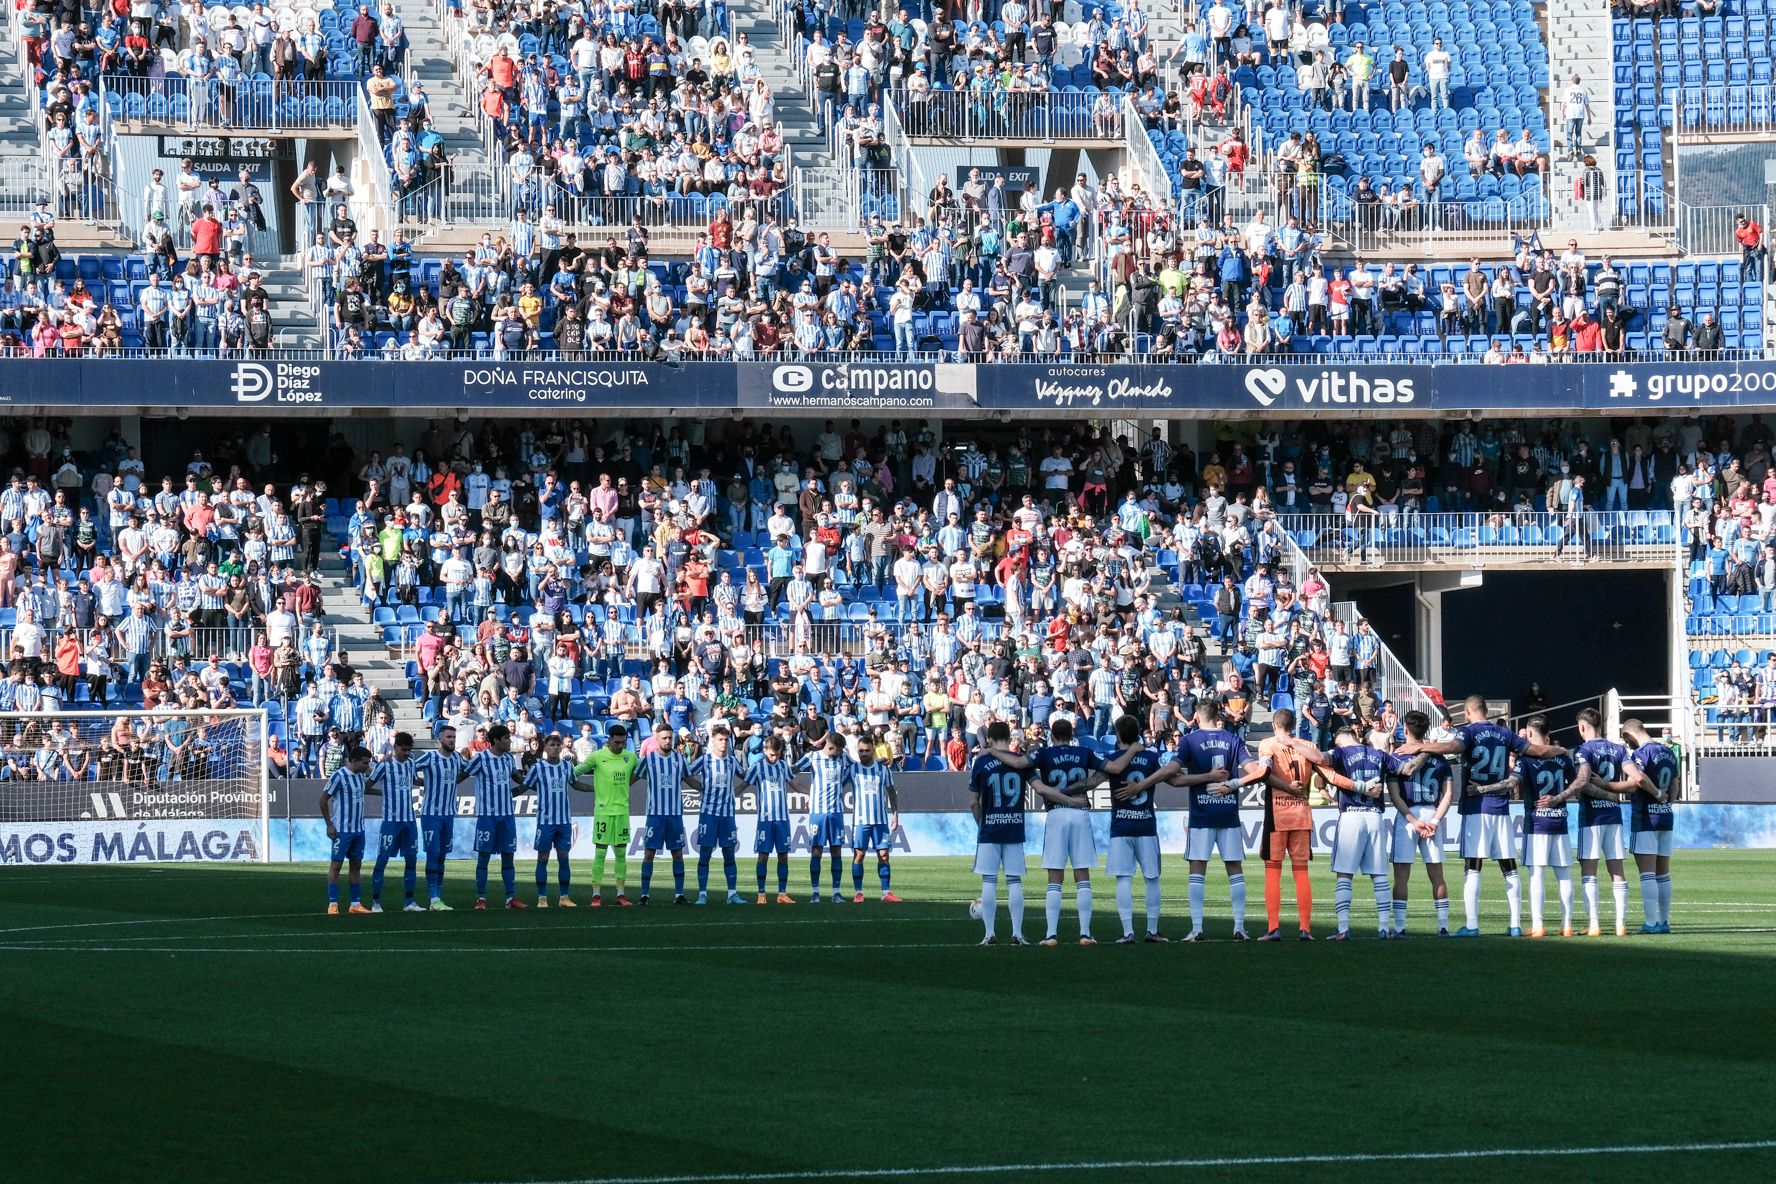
<point>82,787</point>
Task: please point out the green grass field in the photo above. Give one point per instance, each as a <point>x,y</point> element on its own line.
<point>210,1024</point>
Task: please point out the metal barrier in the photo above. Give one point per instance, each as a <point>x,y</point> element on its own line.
<point>1372,228</point>
<point>254,105</point>
<point>1741,109</point>
<point>201,641</point>
<point>1009,115</point>
<point>1409,539</point>
<point>1392,679</point>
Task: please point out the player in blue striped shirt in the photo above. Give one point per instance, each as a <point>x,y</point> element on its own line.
<point>771,775</point>
<point>716,773</point>
<point>550,779</point>
<point>441,770</point>
<point>392,779</point>
<point>829,772</point>
<point>878,817</point>
<point>664,771</point>
<point>493,770</point>
<point>342,809</point>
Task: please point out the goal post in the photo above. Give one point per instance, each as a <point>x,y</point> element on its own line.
<point>134,786</point>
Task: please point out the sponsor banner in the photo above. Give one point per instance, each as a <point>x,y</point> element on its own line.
<point>270,386</point>
<point>1182,389</point>
<point>952,833</point>
<point>212,840</point>
<point>879,387</point>
<point>885,387</point>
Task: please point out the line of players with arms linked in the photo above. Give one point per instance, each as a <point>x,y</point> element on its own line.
<point>499,774</point>
<point>1421,773</point>
<point>1492,766</point>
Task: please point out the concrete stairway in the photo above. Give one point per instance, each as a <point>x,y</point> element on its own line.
<point>1579,42</point>
<point>343,611</point>
<point>431,51</point>
<point>771,43</point>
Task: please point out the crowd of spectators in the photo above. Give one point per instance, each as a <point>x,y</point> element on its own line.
<point>600,116</point>
<point>190,591</point>
<point>868,581</point>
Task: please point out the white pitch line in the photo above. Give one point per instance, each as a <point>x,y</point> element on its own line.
<point>148,921</point>
<point>654,948</point>
<point>1260,1161</point>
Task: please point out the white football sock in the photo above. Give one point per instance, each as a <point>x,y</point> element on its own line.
<point>1619,888</point>
<point>1471,897</point>
<point>989,901</point>
<point>1649,897</point>
<point>1399,916</point>
<point>1152,904</point>
<point>1125,904</point>
<point>1514,897</point>
<point>1384,904</point>
<point>1442,913</point>
<point>1589,884</point>
<point>1563,883</point>
<point>1236,888</point>
<point>1665,900</point>
<point>1535,897</point>
<point>1341,904</point>
<point>1199,887</point>
<point>1014,892</point>
<point>1083,890</point>
<point>1052,910</point>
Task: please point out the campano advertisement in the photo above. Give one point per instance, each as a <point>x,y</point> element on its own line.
<point>859,386</point>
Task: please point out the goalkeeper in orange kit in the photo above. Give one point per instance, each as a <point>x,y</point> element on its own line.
<point>1288,824</point>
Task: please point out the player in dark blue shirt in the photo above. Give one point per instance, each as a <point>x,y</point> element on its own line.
<point>1601,763</point>
<point>1214,764</point>
<point>997,783</point>
<point>1134,827</point>
<point>1549,783</point>
<point>1485,806</point>
<point>1654,776</point>
<point>1422,795</point>
<point>1069,770</point>
<point>1359,771</point>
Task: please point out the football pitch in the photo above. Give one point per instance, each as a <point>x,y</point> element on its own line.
<point>204,1023</point>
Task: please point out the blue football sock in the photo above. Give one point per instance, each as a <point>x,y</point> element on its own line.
<point>733,873</point>
<point>481,876</point>
<point>857,875</point>
<point>882,873</point>
<point>565,878</point>
<point>703,870</point>
<point>647,875</point>
<point>376,881</point>
<point>678,877</point>
<point>407,878</point>
<point>508,877</point>
<point>542,875</point>
<point>783,874</point>
<point>814,870</point>
<point>838,870</point>
<point>333,893</point>
<point>764,862</point>
<point>356,893</point>
<point>435,876</point>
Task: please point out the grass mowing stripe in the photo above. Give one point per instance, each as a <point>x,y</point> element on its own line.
<point>1256,1161</point>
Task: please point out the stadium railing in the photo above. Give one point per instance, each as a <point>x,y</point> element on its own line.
<point>1392,678</point>
<point>1407,538</point>
<point>1005,115</point>
<point>1746,110</point>
<point>886,356</point>
<point>256,105</point>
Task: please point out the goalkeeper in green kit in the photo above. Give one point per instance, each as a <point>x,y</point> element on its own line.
<point>612,768</point>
